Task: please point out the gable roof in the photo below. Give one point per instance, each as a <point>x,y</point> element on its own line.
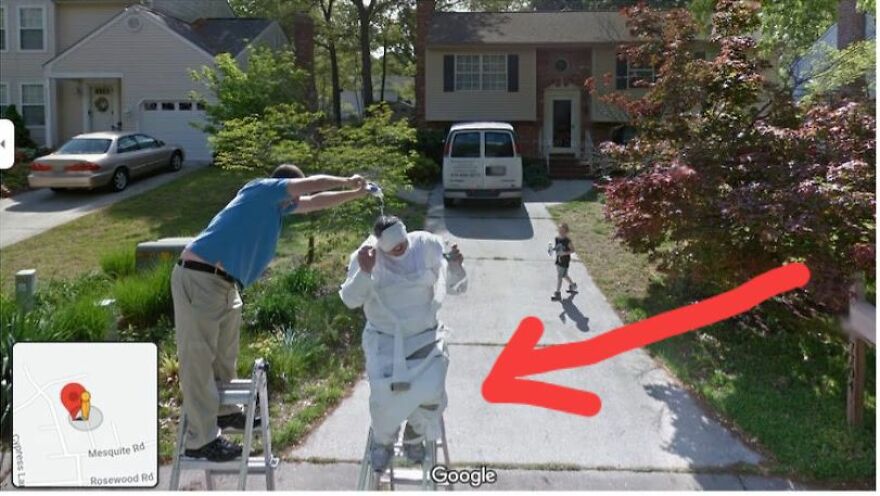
<point>218,35</point>
<point>483,28</point>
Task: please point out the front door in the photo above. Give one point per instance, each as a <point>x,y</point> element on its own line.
<point>562,120</point>
<point>103,107</point>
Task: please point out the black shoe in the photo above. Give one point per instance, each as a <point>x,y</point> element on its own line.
<point>556,296</point>
<point>218,450</point>
<point>235,421</point>
<point>573,288</point>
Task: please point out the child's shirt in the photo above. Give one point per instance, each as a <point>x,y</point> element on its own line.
<point>563,244</point>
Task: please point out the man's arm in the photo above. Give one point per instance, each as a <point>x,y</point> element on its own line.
<point>327,199</point>
<point>322,182</point>
<point>358,285</point>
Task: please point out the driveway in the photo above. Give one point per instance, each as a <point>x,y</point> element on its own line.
<point>650,434</point>
<point>28,214</point>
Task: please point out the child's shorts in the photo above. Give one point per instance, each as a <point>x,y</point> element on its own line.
<point>562,271</point>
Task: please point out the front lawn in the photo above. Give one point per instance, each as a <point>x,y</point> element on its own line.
<point>293,316</point>
<point>780,381</point>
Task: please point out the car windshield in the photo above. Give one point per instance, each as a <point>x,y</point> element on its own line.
<point>84,146</point>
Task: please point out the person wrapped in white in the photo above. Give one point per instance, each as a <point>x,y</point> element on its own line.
<point>400,279</point>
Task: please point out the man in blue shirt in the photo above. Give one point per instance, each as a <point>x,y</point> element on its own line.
<point>230,254</point>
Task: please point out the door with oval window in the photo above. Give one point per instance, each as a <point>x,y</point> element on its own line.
<point>103,108</point>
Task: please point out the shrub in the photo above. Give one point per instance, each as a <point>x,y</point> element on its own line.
<point>119,263</point>
<point>429,142</point>
<point>22,134</point>
<point>144,298</point>
<point>535,174</point>
<point>83,319</point>
<point>277,303</point>
<point>425,172</point>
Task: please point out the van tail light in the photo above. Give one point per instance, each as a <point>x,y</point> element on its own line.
<point>38,167</point>
<point>83,167</point>
<point>446,147</point>
<point>516,151</point>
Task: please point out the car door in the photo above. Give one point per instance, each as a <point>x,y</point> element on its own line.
<point>130,155</point>
<point>462,166</point>
<point>501,165</point>
<point>154,156</point>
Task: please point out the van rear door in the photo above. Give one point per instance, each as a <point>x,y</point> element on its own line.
<point>503,167</point>
<point>462,168</point>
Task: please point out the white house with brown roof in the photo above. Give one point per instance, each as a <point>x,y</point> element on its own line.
<point>75,66</point>
<point>526,68</point>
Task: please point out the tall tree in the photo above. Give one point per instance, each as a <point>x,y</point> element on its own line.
<point>367,11</point>
<point>329,36</point>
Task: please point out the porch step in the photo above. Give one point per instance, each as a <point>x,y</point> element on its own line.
<point>568,168</point>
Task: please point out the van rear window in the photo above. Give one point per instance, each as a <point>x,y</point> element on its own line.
<point>466,145</point>
<point>499,145</point>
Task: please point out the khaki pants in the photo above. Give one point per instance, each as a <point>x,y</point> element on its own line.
<point>207,318</point>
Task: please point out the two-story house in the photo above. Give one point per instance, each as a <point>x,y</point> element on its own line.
<point>74,66</point>
<point>528,69</point>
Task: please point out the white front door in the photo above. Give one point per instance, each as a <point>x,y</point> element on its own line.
<point>103,106</point>
<point>562,120</point>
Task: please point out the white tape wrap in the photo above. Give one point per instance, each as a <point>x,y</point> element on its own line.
<point>392,236</point>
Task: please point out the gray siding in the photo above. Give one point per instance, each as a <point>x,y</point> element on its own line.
<point>479,105</point>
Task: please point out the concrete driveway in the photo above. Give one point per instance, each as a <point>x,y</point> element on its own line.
<point>28,214</point>
<point>650,434</point>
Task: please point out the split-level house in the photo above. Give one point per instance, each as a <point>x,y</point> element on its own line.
<point>75,66</point>
<point>528,69</point>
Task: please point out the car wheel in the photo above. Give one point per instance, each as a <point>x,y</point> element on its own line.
<point>119,181</point>
<point>176,162</point>
<point>448,202</point>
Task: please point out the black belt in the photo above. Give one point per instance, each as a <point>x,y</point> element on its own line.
<point>203,267</point>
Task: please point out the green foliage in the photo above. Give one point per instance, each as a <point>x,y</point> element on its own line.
<point>83,319</point>
<point>429,142</point>
<point>271,78</point>
<point>840,68</point>
<point>275,304</point>
<point>425,172</point>
<point>145,298</point>
<point>535,174</point>
<point>22,134</point>
<point>120,262</point>
<point>260,142</point>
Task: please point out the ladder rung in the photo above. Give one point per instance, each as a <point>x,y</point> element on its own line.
<point>237,384</point>
<point>235,396</point>
<point>256,464</point>
<point>408,476</point>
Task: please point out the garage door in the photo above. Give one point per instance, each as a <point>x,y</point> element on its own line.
<point>170,120</point>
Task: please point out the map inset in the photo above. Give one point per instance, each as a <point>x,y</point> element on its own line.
<point>84,415</point>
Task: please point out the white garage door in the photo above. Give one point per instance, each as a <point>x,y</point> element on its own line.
<point>169,121</point>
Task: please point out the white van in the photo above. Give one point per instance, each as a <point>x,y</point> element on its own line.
<point>481,160</point>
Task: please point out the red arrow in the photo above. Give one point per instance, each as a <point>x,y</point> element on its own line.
<point>520,357</point>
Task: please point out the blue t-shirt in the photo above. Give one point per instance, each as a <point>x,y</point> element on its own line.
<point>243,236</point>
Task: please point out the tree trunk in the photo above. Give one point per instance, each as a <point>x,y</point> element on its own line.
<point>366,60</point>
<point>334,83</point>
<point>384,65</point>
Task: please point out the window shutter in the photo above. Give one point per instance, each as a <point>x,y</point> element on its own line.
<point>621,74</point>
<point>513,73</point>
<point>448,73</point>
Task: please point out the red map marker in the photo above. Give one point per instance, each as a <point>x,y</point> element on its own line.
<point>520,357</point>
<point>71,398</point>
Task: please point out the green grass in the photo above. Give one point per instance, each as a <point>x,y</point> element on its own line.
<point>779,380</point>
<point>119,262</point>
<point>145,298</point>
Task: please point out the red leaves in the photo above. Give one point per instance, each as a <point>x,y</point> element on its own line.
<point>723,185</point>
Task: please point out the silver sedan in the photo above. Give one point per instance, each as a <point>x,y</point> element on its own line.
<point>109,159</point>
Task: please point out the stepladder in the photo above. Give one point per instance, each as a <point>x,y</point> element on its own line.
<point>252,394</point>
<point>400,471</point>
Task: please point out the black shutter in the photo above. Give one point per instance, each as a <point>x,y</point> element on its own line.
<point>448,73</point>
<point>513,73</point>
<point>622,75</point>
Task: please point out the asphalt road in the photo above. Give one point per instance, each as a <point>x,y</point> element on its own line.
<point>33,212</point>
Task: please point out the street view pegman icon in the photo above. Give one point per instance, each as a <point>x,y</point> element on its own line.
<point>78,403</point>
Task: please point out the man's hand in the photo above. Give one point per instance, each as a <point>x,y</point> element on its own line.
<point>357,182</point>
<point>367,258</point>
<point>455,255</point>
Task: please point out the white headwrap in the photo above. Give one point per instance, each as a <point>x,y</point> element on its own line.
<point>392,236</point>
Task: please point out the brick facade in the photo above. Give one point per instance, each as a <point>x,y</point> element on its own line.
<point>304,53</point>
<point>424,12</point>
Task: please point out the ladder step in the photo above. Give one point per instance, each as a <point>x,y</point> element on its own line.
<point>407,476</point>
<point>256,464</point>
<point>235,396</point>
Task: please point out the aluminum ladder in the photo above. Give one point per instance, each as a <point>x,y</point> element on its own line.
<point>369,480</point>
<point>245,392</point>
